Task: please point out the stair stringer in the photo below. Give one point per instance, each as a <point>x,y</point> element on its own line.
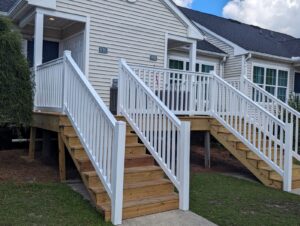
<point>242,157</point>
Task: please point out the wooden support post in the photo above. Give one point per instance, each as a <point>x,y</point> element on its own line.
<point>62,158</point>
<point>31,153</point>
<point>207,149</point>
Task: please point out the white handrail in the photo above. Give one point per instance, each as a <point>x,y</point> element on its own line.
<point>102,137</point>
<point>277,108</point>
<point>165,136</point>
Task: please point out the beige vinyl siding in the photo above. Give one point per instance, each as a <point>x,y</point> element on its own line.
<point>233,65</point>
<point>275,64</point>
<point>132,31</point>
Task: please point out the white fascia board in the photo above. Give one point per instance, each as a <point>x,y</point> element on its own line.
<point>49,4</point>
<point>237,49</point>
<point>272,57</point>
<point>193,32</point>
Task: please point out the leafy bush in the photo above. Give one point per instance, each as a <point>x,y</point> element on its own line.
<point>294,102</point>
<point>16,86</point>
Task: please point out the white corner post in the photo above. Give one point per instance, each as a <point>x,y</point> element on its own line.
<point>288,158</point>
<point>193,57</point>
<point>38,39</point>
<point>120,86</point>
<point>118,173</point>
<point>67,54</point>
<point>184,174</point>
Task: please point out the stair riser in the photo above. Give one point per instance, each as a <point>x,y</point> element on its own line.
<point>133,212</point>
<point>147,161</point>
<point>135,150</point>
<point>64,121</point>
<point>149,191</point>
<point>94,181</point>
<point>78,153</point>
<point>138,193</point>
<point>144,176</point>
<point>68,130</point>
<point>85,166</point>
<point>131,139</point>
<point>73,141</point>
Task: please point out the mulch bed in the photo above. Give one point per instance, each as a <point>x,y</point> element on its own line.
<point>14,168</point>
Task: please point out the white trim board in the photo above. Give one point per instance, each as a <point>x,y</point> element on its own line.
<point>193,31</point>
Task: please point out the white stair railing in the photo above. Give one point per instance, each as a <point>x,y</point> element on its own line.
<point>102,137</point>
<point>266,135</point>
<point>277,108</point>
<point>188,93</point>
<point>164,135</point>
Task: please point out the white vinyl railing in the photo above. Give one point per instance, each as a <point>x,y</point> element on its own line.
<point>264,134</point>
<point>49,86</point>
<point>165,136</point>
<point>189,93</point>
<point>277,108</point>
<point>102,137</point>
<point>183,92</point>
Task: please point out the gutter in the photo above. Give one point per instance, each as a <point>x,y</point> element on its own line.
<point>284,59</point>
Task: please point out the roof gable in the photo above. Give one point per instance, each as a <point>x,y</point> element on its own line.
<point>6,5</point>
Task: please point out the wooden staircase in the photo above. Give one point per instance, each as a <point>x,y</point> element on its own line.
<point>250,160</point>
<point>146,189</point>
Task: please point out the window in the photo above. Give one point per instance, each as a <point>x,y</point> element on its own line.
<point>274,81</point>
<point>297,83</point>
<point>176,64</point>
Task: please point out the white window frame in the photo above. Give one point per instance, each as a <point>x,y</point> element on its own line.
<point>277,68</point>
<point>185,60</point>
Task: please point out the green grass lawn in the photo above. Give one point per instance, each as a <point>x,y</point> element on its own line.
<point>229,201</point>
<point>45,204</point>
<point>221,199</point>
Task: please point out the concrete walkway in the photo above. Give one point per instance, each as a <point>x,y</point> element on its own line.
<point>170,218</point>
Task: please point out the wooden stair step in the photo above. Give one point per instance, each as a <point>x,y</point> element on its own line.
<point>84,164</point>
<point>134,174</point>
<point>135,148</point>
<point>143,207</point>
<point>137,190</point>
<point>64,121</point>
<point>132,160</point>
<point>131,138</point>
<point>277,177</point>
<point>144,173</point>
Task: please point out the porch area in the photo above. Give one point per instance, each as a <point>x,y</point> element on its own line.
<point>137,163</point>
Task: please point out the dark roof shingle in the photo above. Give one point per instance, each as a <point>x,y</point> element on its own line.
<point>206,46</point>
<point>249,37</point>
<point>5,5</point>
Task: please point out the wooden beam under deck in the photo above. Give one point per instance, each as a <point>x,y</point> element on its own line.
<point>198,123</point>
<point>46,120</point>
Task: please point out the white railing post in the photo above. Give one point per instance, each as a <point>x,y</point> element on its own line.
<point>191,78</point>
<point>67,54</point>
<point>213,94</point>
<point>120,87</point>
<point>118,172</point>
<point>184,166</point>
<point>288,158</point>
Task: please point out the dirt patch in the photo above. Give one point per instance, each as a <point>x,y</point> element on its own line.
<point>14,168</point>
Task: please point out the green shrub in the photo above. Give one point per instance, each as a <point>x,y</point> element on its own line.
<point>16,86</point>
